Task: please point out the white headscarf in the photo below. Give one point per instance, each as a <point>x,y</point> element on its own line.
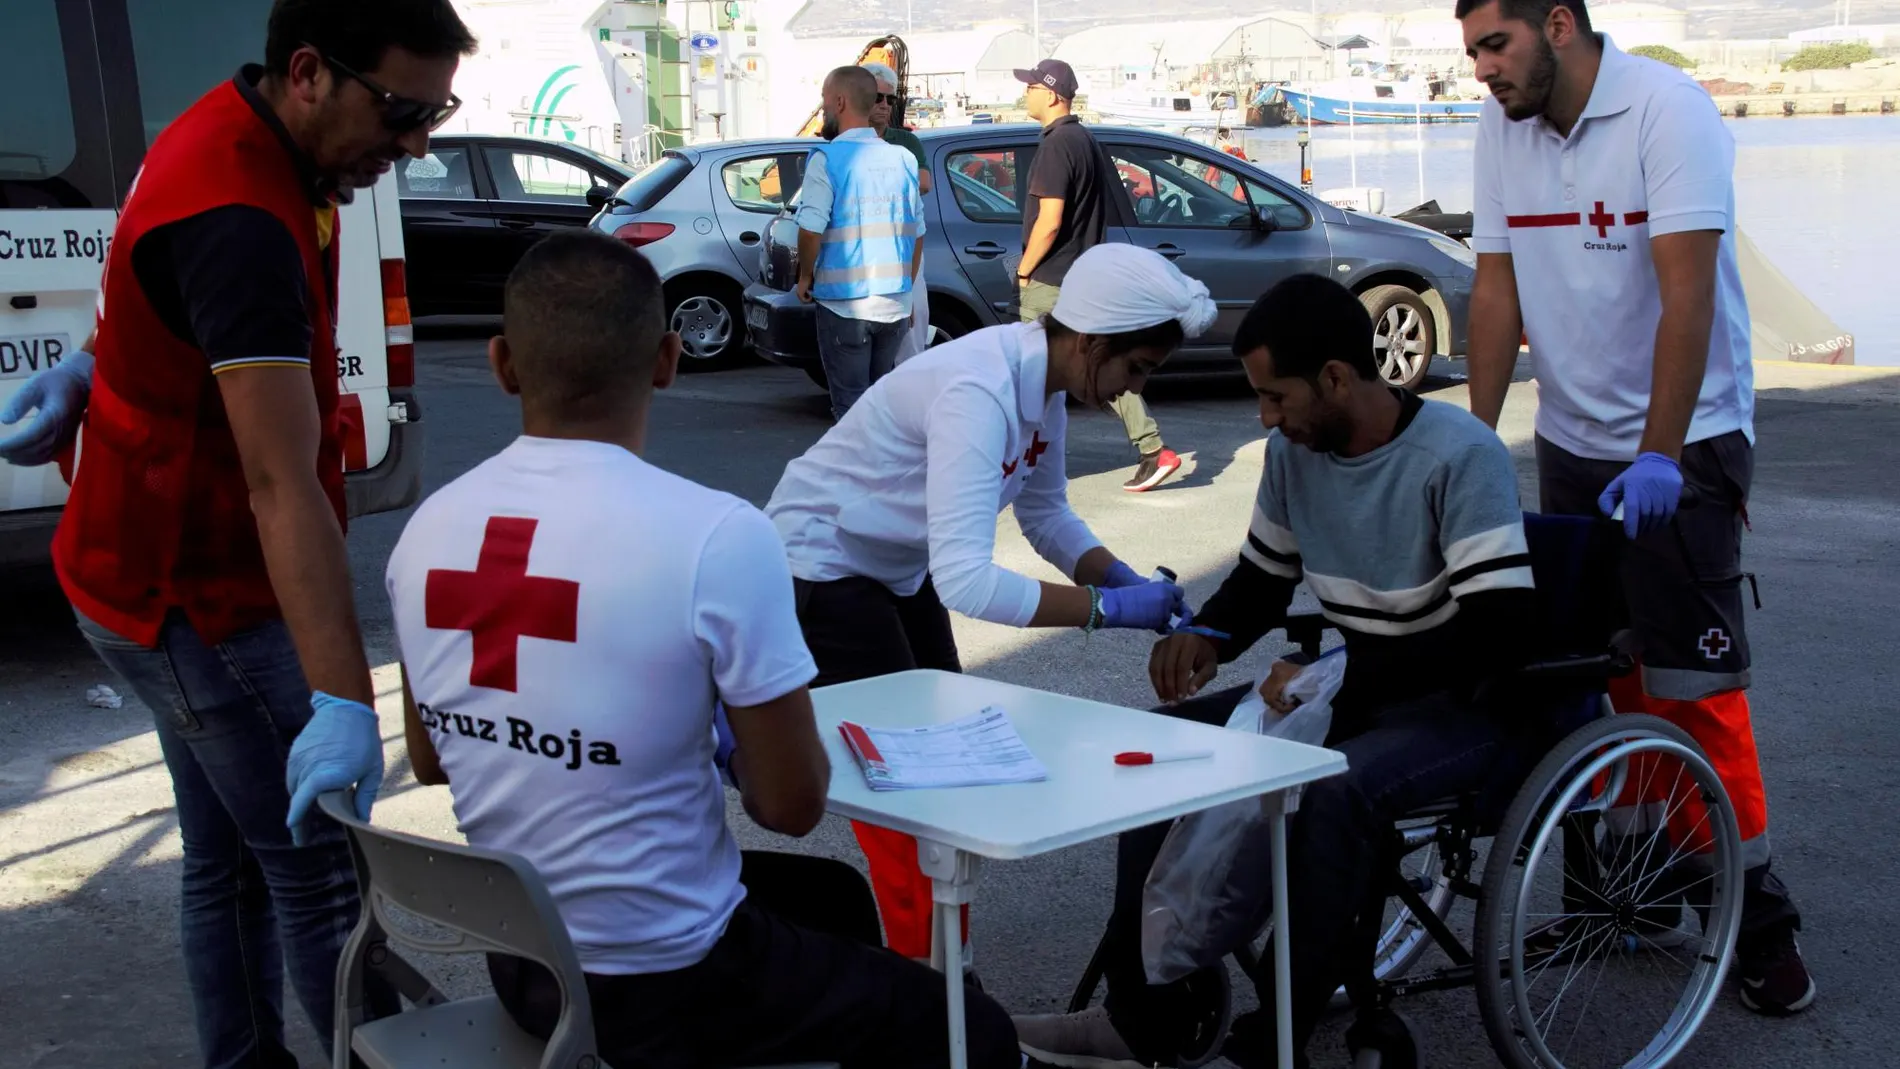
<point>1114,288</point>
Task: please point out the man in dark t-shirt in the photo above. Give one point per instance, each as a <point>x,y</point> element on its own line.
<point>1066,215</point>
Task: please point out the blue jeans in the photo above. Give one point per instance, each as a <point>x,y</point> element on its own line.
<point>856,353</point>
<point>252,903</point>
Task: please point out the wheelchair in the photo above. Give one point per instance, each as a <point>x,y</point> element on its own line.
<point>1580,872</point>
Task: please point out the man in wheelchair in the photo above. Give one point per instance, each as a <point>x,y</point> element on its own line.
<point>1401,516</point>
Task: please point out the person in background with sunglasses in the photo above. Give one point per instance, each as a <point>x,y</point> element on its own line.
<point>202,546</point>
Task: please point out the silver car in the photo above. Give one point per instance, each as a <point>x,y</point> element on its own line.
<point>1226,222</point>
<point>700,214</point>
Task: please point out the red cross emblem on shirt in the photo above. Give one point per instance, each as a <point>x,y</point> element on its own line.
<point>499,603</point>
<point>1037,447</point>
<point>1603,220</point>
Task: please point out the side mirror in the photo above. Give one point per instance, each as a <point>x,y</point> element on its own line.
<point>598,197</point>
<point>1264,220</point>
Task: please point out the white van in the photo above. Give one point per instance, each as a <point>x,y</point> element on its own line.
<point>85,85</point>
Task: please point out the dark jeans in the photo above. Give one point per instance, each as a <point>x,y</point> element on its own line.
<point>857,628</point>
<point>855,354</point>
<point>798,976</point>
<point>1408,754</point>
<point>252,903</point>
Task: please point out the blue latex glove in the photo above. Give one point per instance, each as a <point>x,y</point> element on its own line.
<point>1121,575</point>
<point>1150,606</point>
<point>722,728</point>
<point>341,745</point>
<point>59,393</point>
<point>1649,491</point>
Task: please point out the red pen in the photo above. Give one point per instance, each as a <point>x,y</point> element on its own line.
<point>1141,757</point>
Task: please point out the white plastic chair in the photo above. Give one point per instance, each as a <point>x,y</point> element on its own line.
<point>492,902</point>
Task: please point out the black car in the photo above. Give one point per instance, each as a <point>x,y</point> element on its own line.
<point>476,202</point>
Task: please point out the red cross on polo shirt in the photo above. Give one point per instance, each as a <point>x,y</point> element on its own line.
<point>1602,220</point>
<point>1037,447</point>
<point>499,603</point>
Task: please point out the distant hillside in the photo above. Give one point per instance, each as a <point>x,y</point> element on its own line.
<point>1732,19</point>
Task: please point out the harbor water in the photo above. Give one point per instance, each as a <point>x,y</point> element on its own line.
<point>1813,194</point>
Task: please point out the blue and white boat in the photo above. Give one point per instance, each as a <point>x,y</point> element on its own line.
<point>1360,101</point>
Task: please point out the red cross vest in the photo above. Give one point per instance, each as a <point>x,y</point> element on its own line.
<point>159,516</point>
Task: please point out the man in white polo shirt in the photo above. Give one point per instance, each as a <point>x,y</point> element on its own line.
<point>1605,221</point>
<point>588,641</point>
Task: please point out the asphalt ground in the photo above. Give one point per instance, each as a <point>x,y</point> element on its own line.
<point>89,851</point>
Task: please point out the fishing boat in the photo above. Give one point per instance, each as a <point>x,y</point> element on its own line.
<point>1366,100</point>
<point>1169,109</point>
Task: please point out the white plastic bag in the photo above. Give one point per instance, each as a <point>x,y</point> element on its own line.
<point>1209,888</point>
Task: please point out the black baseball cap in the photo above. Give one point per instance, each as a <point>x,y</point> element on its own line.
<point>1051,74</point>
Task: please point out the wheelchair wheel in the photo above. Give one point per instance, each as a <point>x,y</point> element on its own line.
<point>1582,902</point>
<point>1403,938</point>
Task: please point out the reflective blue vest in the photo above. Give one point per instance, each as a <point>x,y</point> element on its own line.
<point>866,250</point>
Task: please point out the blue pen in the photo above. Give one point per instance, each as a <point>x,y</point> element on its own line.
<point>1185,624</point>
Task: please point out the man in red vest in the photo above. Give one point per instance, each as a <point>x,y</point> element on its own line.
<point>202,546</point>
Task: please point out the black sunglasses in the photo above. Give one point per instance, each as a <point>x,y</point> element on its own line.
<point>402,114</point>
<point>887,98</point>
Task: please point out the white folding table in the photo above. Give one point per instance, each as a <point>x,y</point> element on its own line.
<point>1087,795</point>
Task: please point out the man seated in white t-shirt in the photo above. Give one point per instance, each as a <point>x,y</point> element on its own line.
<point>572,621</point>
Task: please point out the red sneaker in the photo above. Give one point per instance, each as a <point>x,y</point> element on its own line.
<point>1154,470</point>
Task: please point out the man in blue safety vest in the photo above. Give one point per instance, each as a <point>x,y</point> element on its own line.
<point>860,230</point>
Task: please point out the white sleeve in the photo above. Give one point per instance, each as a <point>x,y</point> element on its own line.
<point>1490,233</point>
<point>1688,162</point>
<point>966,435</point>
<point>814,196</point>
<point>1043,511</point>
<point>744,614</point>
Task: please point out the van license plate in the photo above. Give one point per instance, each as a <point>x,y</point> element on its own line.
<point>24,355</point>
<point>757,317</point>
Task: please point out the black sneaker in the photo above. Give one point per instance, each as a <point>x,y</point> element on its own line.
<point>1154,470</point>
<point>1774,979</point>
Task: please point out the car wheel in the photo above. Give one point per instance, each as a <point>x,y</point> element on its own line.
<point>711,327</point>
<point>948,322</point>
<point>1404,334</point>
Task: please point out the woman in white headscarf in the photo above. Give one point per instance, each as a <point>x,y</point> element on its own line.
<point>889,521</point>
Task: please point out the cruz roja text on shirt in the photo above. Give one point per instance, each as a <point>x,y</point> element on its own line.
<point>522,736</point>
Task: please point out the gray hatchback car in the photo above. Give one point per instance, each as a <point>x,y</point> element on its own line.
<point>1225,221</point>
<point>700,215</point>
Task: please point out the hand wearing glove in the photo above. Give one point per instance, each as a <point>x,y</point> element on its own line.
<point>59,393</point>
<point>1121,575</point>
<point>1148,607</point>
<point>1649,491</point>
<point>341,745</point>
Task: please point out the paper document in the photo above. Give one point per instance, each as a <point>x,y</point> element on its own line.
<point>971,752</point>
